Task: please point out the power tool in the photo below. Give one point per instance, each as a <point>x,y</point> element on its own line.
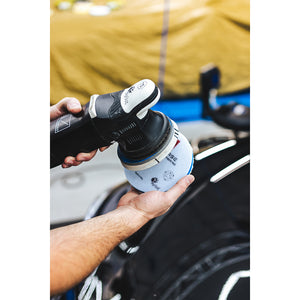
<point>145,137</point>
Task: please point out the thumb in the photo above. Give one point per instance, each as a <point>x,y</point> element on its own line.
<point>179,188</point>
<point>66,105</point>
<point>73,105</point>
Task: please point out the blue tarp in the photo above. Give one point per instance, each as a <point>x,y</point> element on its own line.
<point>191,109</point>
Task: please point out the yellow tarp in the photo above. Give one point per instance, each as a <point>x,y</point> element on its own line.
<point>166,41</point>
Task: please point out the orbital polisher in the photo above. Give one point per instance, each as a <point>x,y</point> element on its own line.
<point>154,153</point>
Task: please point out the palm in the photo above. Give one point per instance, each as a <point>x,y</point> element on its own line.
<point>155,203</point>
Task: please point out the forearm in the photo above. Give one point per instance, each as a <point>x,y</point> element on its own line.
<point>77,249</point>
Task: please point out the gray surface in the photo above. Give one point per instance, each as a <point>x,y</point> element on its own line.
<point>73,190</point>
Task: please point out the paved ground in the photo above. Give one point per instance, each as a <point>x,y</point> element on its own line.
<point>73,190</point>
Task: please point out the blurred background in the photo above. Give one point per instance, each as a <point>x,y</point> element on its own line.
<point>98,47</point>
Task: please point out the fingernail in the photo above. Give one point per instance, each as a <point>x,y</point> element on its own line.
<point>190,179</point>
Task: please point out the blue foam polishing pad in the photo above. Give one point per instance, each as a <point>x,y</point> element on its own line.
<point>162,176</point>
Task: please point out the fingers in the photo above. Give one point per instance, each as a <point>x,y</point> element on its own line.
<point>179,188</point>
<point>153,204</point>
<point>86,156</point>
<point>71,105</point>
<point>75,161</point>
<point>66,105</point>
<point>72,161</point>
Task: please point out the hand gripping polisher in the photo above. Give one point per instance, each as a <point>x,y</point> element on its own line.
<point>154,153</point>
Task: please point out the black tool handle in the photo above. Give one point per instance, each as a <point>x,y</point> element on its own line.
<point>72,134</point>
<point>120,116</point>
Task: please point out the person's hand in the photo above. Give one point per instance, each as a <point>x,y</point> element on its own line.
<point>71,105</point>
<point>155,203</point>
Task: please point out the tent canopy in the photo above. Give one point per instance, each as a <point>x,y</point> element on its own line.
<point>166,41</point>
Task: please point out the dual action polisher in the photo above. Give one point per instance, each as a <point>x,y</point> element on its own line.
<point>154,153</point>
